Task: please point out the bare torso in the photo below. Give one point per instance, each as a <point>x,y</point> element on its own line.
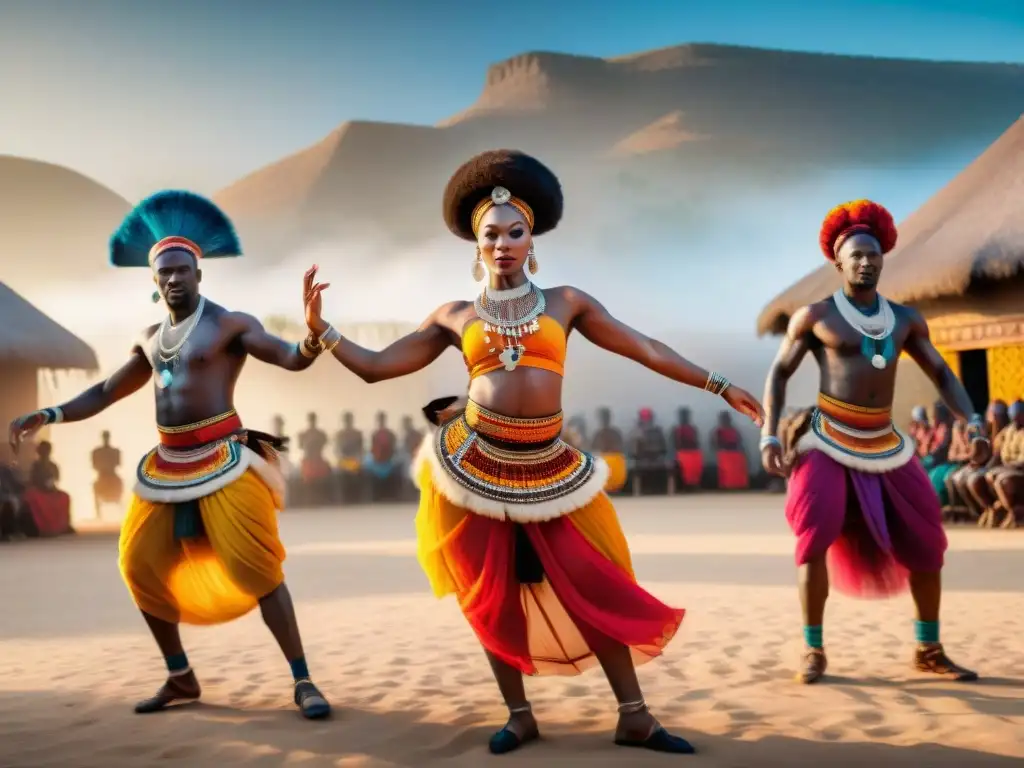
<point>846,373</point>
<point>208,366</point>
<point>524,392</point>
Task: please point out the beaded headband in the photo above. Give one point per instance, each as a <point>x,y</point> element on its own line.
<point>500,196</point>
<point>174,243</point>
<point>846,234</point>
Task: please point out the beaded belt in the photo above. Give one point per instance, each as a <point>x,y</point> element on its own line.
<point>202,432</point>
<point>513,467</point>
<point>856,436</point>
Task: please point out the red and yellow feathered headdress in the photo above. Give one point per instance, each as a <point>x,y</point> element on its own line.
<point>856,217</point>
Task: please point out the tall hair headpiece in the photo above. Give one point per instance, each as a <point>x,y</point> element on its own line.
<point>173,220</point>
<point>853,218</point>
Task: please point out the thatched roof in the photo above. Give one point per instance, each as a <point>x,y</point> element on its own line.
<point>29,336</point>
<point>971,230</point>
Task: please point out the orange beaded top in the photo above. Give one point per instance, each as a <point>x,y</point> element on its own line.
<point>542,347</point>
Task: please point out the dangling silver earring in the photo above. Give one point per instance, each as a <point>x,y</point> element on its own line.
<point>531,263</point>
<point>478,266</point>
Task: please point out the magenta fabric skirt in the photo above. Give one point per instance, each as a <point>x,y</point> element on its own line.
<point>876,528</point>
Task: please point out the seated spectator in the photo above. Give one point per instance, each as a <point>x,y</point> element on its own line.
<point>50,507</point>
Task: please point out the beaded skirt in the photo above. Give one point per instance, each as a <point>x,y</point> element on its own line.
<point>508,468</point>
<point>196,460</point>
<point>855,436</point>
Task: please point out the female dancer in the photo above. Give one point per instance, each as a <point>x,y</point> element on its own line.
<point>513,520</point>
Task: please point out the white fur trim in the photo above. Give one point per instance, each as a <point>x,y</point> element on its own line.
<point>810,441</point>
<point>531,512</point>
<point>248,459</point>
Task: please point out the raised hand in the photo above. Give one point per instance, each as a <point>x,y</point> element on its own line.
<point>25,426</point>
<point>744,402</point>
<point>312,302</point>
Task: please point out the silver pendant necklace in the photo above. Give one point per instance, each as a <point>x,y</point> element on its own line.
<point>877,327</point>
<point>170,357</point>
<point>511,314</point>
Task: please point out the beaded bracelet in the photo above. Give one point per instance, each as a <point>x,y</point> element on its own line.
<point>716,383</point>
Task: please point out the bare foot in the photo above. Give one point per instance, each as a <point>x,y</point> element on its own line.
<point>815,664</point>
<point>933,659</point>
<point>520,729</point>
<point>178,689</point>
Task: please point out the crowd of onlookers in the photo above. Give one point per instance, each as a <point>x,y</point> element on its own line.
<point>31,504</point>
<point>646,459</point>
<point>982,487</point>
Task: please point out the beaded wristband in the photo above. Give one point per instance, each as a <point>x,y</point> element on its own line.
<point>716,383</point>
<point>330,338</point>
<point>53,415</point>
<point>768,440</point>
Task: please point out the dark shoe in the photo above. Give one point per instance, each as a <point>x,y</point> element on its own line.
<point>657,739</point>
<point>520,729</point>
<point>310,701</point>
<point>660,740</point>
<point>933,659</point>
<point>815,664</point>
<point>179,689</point>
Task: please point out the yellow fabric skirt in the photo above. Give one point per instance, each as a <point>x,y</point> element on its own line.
<point>617,471</point>
<point>212,579</point>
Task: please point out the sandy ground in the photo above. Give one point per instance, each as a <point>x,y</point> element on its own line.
<point>412,688</point>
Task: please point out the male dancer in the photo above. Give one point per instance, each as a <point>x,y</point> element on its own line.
<point>199,543</point>
<point>856,490</point>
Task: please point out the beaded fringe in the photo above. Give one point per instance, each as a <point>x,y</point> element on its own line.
<point>249,459</point>
<point>529,512</point>
<point>810,441</point>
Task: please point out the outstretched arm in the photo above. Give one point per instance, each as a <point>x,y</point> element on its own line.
<point>413,352</point>
<point>920,348</point>
<point>126,380</point>
<point>266,347</point>
<point>598,326</point>
<point>791,353</point>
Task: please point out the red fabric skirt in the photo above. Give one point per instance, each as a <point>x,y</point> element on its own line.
<point>691,466</point>
<point>732,470</point>
<point>315,469</point>
<point>585,602</point>
<point>51,511</point>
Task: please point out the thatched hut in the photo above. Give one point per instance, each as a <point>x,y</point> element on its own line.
<point>29,342</point>
<point>960,261</point>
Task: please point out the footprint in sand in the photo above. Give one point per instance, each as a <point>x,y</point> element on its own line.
<point>675,673</point>
<point>400,661</point>
<point>732,651</point>
<point>576,691</point>
<point>374,698</point>
<point>829,734</point>
<point>178,752</point>
<point>868,716</point>
<point>882,732</point>
<point>695,695</point>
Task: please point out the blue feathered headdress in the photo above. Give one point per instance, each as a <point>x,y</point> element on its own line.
<point>182,219</point>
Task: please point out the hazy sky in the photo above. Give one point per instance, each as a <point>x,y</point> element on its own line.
<point>141,95</point>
